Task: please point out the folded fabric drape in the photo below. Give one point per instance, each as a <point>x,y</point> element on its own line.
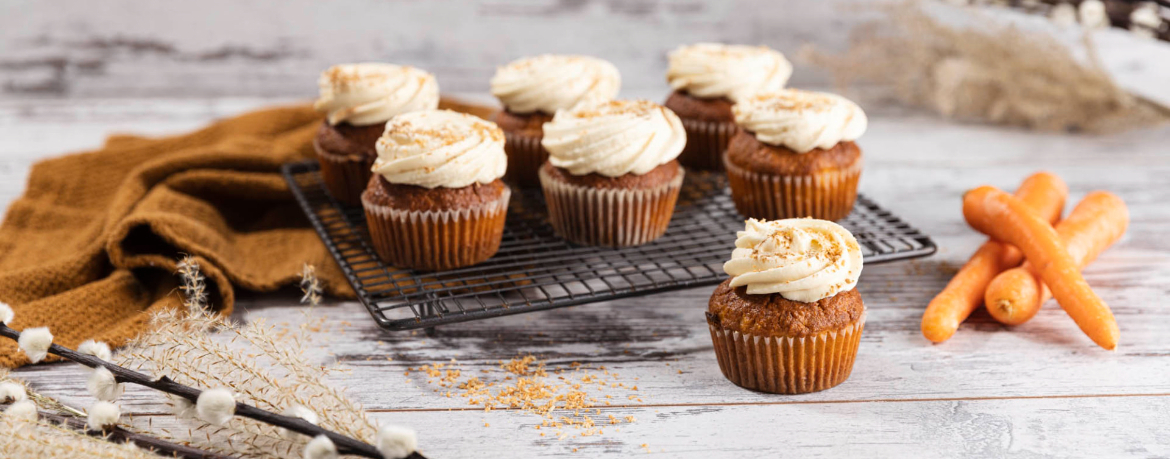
<point>90,249</point>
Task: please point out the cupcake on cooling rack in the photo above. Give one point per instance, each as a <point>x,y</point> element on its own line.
<point>435,200</point>
<point>794,155</point>
<point>707,79</point>
<point>611,178</point>
<point>358,100</point>
<point>789,319</point>
<point>532,90</point>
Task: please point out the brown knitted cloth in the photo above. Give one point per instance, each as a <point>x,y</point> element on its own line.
<point>90,249</point>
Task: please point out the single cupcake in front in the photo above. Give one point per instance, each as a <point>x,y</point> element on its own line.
<point>794,155</point>
<point>532,90</point>
<point>789,319</point>
<point>611,178</point>
<point>435,200</point>
<point>707,79</point>
<point>358,100</point>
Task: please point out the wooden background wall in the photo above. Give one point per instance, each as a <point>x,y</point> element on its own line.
<point>129,48</point>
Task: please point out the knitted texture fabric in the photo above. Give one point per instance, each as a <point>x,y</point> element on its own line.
<point>91,249</point>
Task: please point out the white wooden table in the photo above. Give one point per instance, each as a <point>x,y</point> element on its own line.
<point>1038,390</point>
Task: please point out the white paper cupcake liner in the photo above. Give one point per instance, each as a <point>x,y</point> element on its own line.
<point>610,217</point>
<point>706,142</point>
<point>787,365</point>
<point>525,157</point>
<point>824,195</point>
<point>437,240</point>
<point>344,176</point>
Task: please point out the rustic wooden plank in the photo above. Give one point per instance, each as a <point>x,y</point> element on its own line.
<point>80,49</point>
<point>903,391</point>
<point>663,342</point>
<point>253,48</point>
<point>1053,427</point>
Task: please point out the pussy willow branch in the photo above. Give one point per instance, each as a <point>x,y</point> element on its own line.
<point>120,435</point>
<point>345,445</point>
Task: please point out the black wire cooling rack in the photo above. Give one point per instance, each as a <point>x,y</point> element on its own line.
<point>536,270</point>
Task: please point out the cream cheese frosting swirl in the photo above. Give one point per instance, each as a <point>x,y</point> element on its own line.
<point>710,70</point>
<point>552,82</point>
<point>371,93</point>
<point>802,259</point>
<point>440,148</point>
<point>614,138</point>
<point>800,120</point>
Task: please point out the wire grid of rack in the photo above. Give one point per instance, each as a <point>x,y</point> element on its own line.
<point>536,270</point>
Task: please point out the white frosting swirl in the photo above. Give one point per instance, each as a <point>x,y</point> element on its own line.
<point>551,82</point>
<point>440,148</point>
<point>614,138</point>
<point>800,120</point>
<point>802,259</point>
<point>371,93</point>
<point>710,70</point>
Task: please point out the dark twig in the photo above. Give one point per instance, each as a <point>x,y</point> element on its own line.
<point>345,445</point>
<point>1117,11</point>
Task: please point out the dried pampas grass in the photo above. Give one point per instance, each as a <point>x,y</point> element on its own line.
<point>263,370</point>
<point>985,72</point>
<point>25,439</point>
<point>24,436</point>
<point>262,366</point>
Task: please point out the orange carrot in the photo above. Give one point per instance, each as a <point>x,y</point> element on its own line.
<point>1043,192</point>
<point>1099,220</point>
<point>1007,219</point>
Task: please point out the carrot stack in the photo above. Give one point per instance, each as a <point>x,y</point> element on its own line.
<point>1043,192</point>
<point>1021,227</point>
<point>1099,220</point>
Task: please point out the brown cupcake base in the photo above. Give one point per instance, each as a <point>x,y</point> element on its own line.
<point>827,195</point>
<point>786,365</point>
<point>706,142</point>
<point>344,176</point>
<point>436,240</point>
<point>525,156</point>
<point>610,217</point>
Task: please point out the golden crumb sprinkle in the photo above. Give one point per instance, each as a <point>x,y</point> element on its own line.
<point>790,100</point>
<point>636,108</point>
<point>561,398</point>
<point>404,132</point>
<point>343,77</point>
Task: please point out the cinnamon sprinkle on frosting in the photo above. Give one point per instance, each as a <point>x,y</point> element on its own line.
<point>802,259</point>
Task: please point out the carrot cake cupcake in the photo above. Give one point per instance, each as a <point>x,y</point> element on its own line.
<point>789,319</point>
<point>358,100</point>
<point>707,79</point>
<point>611,178</point>
<point>532,90</point>
<point>435,200</point>
<point>794,155</point>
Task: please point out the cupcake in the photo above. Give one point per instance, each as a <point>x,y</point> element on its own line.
<point>789,320</point>
<point>435,200</point>
<point>358,100</point>
<point>532,90</point>
<point>611,178</point>
<point>707,79</point>
<point>794,155</point>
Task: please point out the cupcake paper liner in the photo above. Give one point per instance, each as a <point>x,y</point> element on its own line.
<point>525,156</point>
<point>344,176</point>
<point>824,195</point>
<point>610,217</point>
<point>706,142</point>
<point>437,240</point>
<point>784,364</point>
